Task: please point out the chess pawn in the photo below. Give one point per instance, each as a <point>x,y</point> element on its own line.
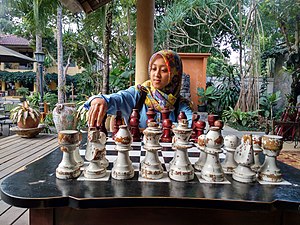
<point>123,168</point>
<point>118,121</point>
<point>134,125</point>
<point>181,116</point>
<point>244,156</point>
<point>200,127</point>
<point>151,167</point>
<point>271,145</point>
<point>219,123</point>
<point>167,130</point>
<point>203,155</point>
<point>211,118</point>
<point>212,170</point>
<point>68,168</point>
<point>195,118</point>
<point>231,142</point>
<point>150,115</point>
<point>95,152</point>
<point>181,168</point>
<point>256,143</point>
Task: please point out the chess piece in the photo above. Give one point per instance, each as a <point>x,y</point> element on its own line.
<point>195,118</point>
<point>68,168</point>
<point>212,170</point>
<point>118,121</point>
<point>134,122</point>
<point>219,123</point>
<point>256,143</point>
<point>181,116</point>
<point>271,145</point>
<point>244,157</point>
<point>203,155</point>
<point>78,159</point>
<point>123,168</point>
<point>200,127</point>
<point>167,126</point>
<point>95,153</point>
<point>150,115</point>
<point>151,167</point>
<point>211,118</point>
<point>231,142</point>
<point>181,168</point>
<point>102,127</point>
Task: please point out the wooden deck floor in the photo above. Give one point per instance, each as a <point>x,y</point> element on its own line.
<point>15,153</point>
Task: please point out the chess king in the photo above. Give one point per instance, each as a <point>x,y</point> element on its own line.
<point>161,90</point>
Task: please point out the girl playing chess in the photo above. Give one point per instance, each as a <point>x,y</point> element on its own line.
<point>163,89</point>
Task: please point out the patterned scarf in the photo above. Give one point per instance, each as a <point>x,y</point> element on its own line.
<point>156,98</point>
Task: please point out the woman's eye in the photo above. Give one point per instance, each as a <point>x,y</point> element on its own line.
<point>164,70</point>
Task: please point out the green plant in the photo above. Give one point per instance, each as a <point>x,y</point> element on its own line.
<point>206,95</point>
<point>82,115</point>
<point>242,118</point>
<point>267,103</point>
<point>24,111</point>
<point>23,91</point>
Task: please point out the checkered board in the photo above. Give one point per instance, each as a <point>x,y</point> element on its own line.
<point>137,155</point>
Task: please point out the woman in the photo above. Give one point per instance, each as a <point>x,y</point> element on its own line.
<point>163,89</point>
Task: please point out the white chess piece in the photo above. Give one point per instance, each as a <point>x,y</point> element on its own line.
<point>181,169</point>
<point>212,170</point>
<point>203,155</point>
<point>68,167</point>
<point>95,152</point>
<point>271,145</point>
<point>244,156</point>
<point>123,168</point>
<point>231,142</point>
<point>151,167</point>
<point>256,142</point>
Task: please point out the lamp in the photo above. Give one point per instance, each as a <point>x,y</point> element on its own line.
<point>40,58</point>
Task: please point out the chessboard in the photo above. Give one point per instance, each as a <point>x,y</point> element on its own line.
<point>138,153</point>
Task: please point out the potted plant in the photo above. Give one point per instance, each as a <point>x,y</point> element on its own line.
<point>23,91</point>
<point>25,116</point>
<point>205,95</point>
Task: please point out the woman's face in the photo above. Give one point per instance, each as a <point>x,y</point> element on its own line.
<point>159,74</point>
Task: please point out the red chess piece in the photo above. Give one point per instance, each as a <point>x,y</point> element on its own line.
<point>118,121</point>
<point>195,118</point>
<point>200,127</point>
<point>167,131</point>
<point>181,116</point>
<point>219,123</point>
<point>150,115</point>
<point>134,125</point>
<point>165,113</point>
<point>102,127</point>
<point>211,118</point>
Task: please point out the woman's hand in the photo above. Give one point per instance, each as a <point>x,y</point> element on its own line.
<point>97,112</point>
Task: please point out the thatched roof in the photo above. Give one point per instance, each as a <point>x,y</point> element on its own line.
<point>87,6</point>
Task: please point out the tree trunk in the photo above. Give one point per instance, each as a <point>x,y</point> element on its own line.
<point>60,73</point>
<point>107,36</point>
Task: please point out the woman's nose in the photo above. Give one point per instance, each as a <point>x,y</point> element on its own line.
<point>157,73</point>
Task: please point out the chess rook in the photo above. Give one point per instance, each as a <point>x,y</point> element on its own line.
<point>150,115</point>
<point>271,145</point>
<point>167,126</point>
<point>151,167</point>
<point>68,168</point>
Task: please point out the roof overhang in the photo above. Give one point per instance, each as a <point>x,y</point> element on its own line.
<point>87,6</point>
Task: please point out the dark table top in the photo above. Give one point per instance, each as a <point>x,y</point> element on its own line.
<point>37,187</point>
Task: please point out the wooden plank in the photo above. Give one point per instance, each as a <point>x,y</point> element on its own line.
<point>26,161</point>
<point>11,215</point>
<point>3,207</point>
<point>20,150</point>
<point>23,220</point>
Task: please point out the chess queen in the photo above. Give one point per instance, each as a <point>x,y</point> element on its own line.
<point>161,90</point>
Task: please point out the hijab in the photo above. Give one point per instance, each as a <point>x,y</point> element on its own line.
<point>167,96</point>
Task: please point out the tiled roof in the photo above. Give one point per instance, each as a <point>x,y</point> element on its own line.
<point>9,39</point>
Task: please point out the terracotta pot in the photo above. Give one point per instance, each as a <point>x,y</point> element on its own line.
<point>30,123</point>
